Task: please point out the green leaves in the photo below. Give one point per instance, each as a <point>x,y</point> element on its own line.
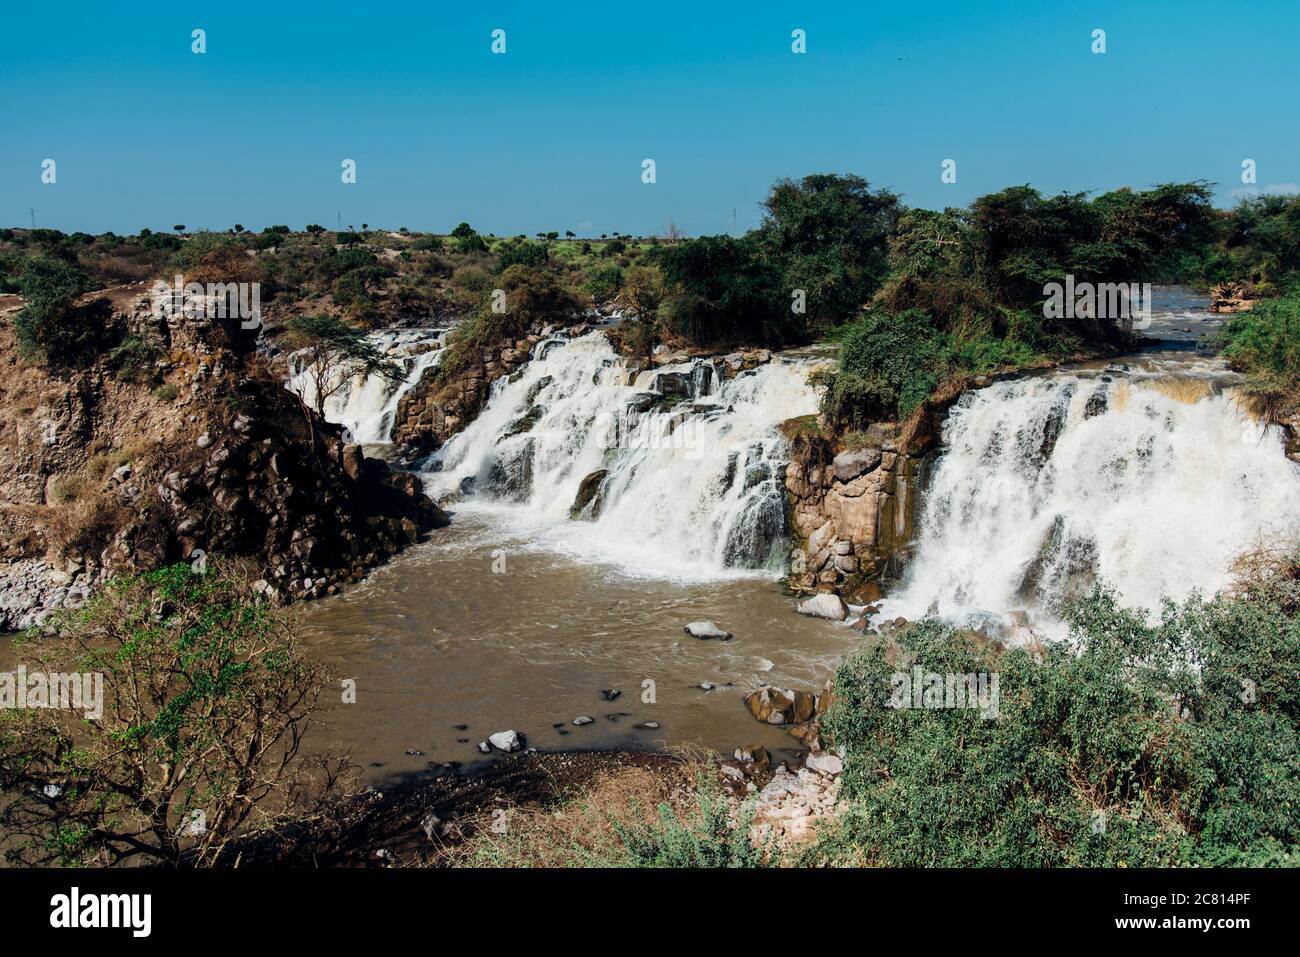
<point>1133,745</point>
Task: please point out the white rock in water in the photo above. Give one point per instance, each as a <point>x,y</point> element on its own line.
<point>706,629</point>
<point>505,741</point>
<point>824,763</point>
<point>825,605</point>
<point>583,719</point>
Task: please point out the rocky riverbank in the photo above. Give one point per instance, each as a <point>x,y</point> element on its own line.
<point>198,455</point>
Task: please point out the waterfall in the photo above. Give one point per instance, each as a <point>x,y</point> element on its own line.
<point>1150,482</point>
<point>671,472</point>
<point>365,405</point>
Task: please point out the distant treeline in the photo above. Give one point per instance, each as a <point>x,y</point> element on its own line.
<point>915,296</point>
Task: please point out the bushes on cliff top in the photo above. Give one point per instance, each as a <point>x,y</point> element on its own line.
<point>529,295</point>
<point>1265,344</point>
<point>724,291</point>
<point>51,327</point>
<point>828,234</point>
<point>1134,744</point>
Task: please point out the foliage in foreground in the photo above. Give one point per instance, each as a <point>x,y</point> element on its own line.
<point>205,699</point>
<point>1133,745</point>
<point>631,818</point>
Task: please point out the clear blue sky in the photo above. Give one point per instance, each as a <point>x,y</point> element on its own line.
<point>551,135</point>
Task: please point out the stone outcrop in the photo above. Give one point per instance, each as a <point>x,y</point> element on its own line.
<point>851,508</point>
<point>102,475</point>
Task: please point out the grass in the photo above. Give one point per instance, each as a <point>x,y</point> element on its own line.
<point>631,817</point>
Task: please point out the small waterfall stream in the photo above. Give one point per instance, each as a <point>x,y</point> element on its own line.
<point>365,405</point>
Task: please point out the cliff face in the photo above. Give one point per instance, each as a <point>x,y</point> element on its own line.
<point>853,506</point>
<point>851,511</point>
<point>102,474</point>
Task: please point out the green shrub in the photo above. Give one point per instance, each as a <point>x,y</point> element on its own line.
<point>723,291</point>
<point>1265,344</point>
<point>604,283</point>
<point>51,327</point>
<point>132,359</point>
<point>534,255</point>
<point>1131,745</point>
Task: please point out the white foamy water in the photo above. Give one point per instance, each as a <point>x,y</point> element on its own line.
<point>366,405</point>
<point>693,466</point>
<point>1154,485</point>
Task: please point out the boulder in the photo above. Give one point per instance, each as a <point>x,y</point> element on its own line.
<point>849,465</point>
<point>781,706</point>
<point>754,754</point>
<point>825,605</point>
<point>588,494</point>
<point>705,630</point>
<point>583,719</point>
<point>506,741</point>
<point>824,762</point>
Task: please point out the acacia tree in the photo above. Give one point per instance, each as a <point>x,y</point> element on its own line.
<point>334,352</point>
<point>206,699</point>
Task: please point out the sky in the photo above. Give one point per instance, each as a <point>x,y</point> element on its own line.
<point>552,133</point>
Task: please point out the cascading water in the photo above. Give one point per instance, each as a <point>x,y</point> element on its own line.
<point>672,472</point>
<point>365,405</point>
<point>1150,482</point>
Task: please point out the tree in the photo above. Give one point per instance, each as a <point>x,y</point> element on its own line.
<point>179,228</point>
<point>51,327</point>
<point>334,352</point>
<point>724,291</point>
<point>195,735</point>
<point>462,230</point>
<point>830,235</point>
<point>643,290</point>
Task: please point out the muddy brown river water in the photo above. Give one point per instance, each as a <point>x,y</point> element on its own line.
<point>438,639</point>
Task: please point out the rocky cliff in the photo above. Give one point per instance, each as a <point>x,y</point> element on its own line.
<point>200,454</point>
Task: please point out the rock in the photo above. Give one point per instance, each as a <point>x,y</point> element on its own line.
<point>754,754</point>
<point>353,461</point>
<point>611,695</point>
<point>506,741</point>
<point>583,719</point>
<point>824,763</point>
<point>433,826</point>
<point>588,495</point>
<point>484,747</point>
<point>647,726</point>
<point>780,706</point>
<point>849,465</point>
<point>706,686</point>
<point>826,605</point>
<point>707,629</point>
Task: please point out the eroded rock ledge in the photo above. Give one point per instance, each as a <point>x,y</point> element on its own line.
<point>103,475</point>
